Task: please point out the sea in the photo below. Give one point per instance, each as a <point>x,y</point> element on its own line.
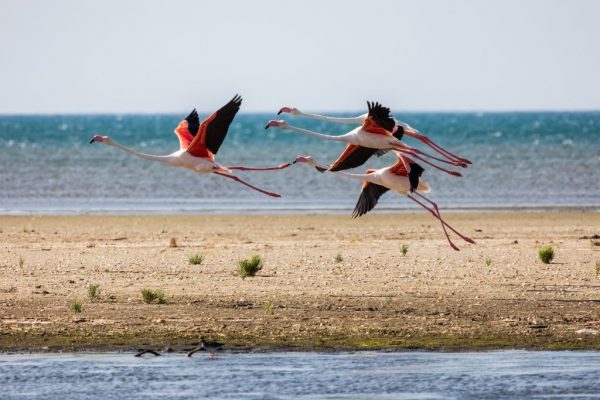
<point>312,375</point>
<point>521,160</point>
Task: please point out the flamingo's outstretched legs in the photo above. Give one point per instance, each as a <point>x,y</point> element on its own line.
<point>282,166</point>
<point>436,214</point>
<point>413,154</point>
<point>235,178</point>
<point>438,148</point>
<point>463,237</point>
<point>456,163</point>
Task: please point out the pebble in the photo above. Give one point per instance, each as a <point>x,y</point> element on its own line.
<point>587,331</point>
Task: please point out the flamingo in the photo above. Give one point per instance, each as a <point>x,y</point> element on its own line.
<point>374,134</point>
<point>403,178</point>
<point>198,144</point>
<point>406,129</point>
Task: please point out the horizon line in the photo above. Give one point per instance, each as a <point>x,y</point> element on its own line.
<point>357,112</point>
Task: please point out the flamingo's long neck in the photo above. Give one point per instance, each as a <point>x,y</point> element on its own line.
<point>306,132</point>
<point>374,178</point>
<point>163,159</point>
<point>356,120</point>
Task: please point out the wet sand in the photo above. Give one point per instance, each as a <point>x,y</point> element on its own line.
<point>495,294</point>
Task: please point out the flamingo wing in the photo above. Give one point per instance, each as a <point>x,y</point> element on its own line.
<point>213,130</point>
<point>398,133</point>
<point>369,196</point>
<point>407,167</point>
<point>379,119</point>
<point>186,132</point>
<point>352,157</point>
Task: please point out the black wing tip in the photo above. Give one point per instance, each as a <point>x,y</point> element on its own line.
<point>237,99</point>
<point>193,122</point>
<point>399,132</point>
<point>358,213</point>
<point>413,176</point>
<point>192,115</point>
<point>368,199</point>
<point>381,115</point>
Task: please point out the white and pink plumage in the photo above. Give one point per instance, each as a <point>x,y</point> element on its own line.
<point>403,177</point>
<point>199,142</point>
<point>405,129</point>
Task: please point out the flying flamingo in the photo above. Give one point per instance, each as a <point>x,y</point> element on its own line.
<point>374,134</point>
<point>199,142</point>
<point>406,129</point>
<point>398,177</point>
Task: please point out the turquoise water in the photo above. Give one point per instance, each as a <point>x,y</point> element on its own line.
<point>359,375</point>
<point>519,159</point>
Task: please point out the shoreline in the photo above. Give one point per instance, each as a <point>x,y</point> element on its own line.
<point>303,299</point>
<point>293,211</point>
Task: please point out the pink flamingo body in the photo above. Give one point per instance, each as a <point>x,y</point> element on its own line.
<point>407,129</point>
<point>399,178</point>
<point>198,145</point>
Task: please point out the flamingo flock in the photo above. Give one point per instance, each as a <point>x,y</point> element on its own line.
<point>377,134</point>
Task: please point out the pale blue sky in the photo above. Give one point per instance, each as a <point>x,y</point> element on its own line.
<point>168,56</point>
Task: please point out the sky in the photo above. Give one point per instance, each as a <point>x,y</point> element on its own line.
<point>74,56</point>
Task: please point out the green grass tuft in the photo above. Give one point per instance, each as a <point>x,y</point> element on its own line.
<point>488,261</point>
<point>268,307</point>
<point>404,249</point>
<point>338,258</point>
<point>597,267</point>
<point>546,254</point>
<point>93,291</point>
<point>153,296</point>
<point>196,259</point>
<point>250,267</point>
<point>21,261</point>
<point>76,306</point>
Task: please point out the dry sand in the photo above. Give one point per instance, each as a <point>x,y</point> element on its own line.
<point>375,297</point>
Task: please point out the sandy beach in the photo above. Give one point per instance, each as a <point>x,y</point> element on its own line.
<point>495,294</point>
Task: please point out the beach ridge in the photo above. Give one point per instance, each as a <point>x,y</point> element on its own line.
<point>328,282</point>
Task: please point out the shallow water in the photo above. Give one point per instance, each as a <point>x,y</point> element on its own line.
<point>519,159</point>
<point>347,375</point>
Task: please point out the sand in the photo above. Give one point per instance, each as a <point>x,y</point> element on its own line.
<point>495,294</point>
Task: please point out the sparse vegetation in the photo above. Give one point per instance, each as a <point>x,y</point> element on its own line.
<point>93,291</point>
<point>488,261</point>
<point>76,306</point>
<point>338,258</point>
<point>153,296</point>
<point>21,261</point>
<point>404,249</point>
<point>250,267</point>
<point>196,259</point>
<point>597,267</point>
<point>268,306</point>
<point>173,242</point>
<point>546,254</point>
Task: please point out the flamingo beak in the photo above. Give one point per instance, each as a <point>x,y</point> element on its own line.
<point>95,138</point>
<point>267,127</point>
